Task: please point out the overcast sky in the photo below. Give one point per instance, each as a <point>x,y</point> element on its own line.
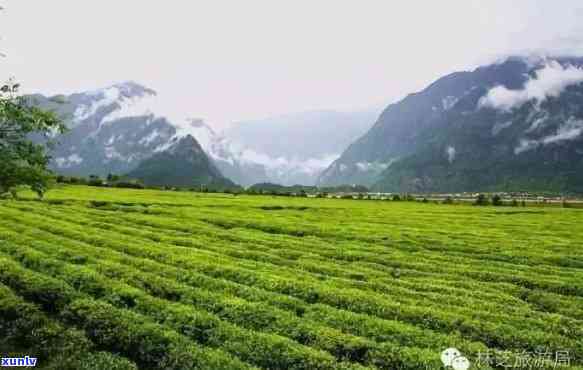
<point>237,60</point>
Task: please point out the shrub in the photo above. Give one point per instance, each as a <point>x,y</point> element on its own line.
<point>103,361</point>
<point>497,200</point>
<point>481,200</point>
<point>207,275</point>
<point>95,180</point>
<point>113,178</point>
<point>448,200</point>
<point>98,203</point>
<point>129,185</point>
<point>23,325</point>
<point>150,344</point>
<point>565,204</point>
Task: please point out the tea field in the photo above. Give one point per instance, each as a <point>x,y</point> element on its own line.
<point>95,278</point>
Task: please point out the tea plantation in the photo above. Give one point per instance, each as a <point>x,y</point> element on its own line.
<point>94,278</point>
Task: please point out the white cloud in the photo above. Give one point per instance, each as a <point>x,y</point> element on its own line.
<point>450,151</point>
<point>550,81</point>
<point>242,60</point>
<point>147,105</point>
<point>537,122</point>
<point>148,139</point>
<point>525,145</point>
<point>104,98</point>
<point>499,126</point>
<point>311,166</point>
<point>198,129</point>
<point>372,166</point>
<point>153,106</point>
<point>570,130</point>
<point>111,153</point>
<point>448,102</point>
<point>65,162</point>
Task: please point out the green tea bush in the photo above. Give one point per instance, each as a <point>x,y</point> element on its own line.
<point>156,279</point>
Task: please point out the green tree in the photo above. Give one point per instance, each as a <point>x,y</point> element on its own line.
<point>95,180</point>
<point>565,204</point>
<point>481,200</point>
<point>497,200</point>
<point>23,161</point>
<point>112,178</point>
<point>448,200</point>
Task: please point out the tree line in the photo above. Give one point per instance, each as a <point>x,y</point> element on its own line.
<point>26,132</point>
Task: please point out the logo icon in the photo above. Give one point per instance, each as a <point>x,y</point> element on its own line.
<point>453,358</point>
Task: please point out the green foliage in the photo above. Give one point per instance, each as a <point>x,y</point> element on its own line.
<point>113,178</point>
<point>448,200</point>
<point>179,280</point>
<point>497,200</point>
<point>486,157</point>
<point>71,180</point>
<point>185,165</point>
<point>303,191</point>
<point>24,161</point>
<point>95,180</point>
<point>128,184</point>
<point>344,189</point>
<point>103,361</point>
<point>481,200</point>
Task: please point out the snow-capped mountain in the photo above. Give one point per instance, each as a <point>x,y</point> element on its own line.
<point>296,148</point>
<point>114,129</point>
<point>513,125</point>
<point>184,164</point>
<point>108,130</point>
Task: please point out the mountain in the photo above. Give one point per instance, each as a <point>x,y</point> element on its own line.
<point>123,129</point>
<point>295,148</point>
<point>512,125</point>
<point>184,164</point>
<point>114,129</point>
<point>106,133</point>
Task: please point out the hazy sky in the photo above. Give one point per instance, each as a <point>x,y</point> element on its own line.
<point>237,60</point>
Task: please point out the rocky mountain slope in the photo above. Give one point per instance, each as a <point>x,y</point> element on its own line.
<point>114,129</point>
<point>512,125</point>
<point>184,164</point>
<point>105,135</point>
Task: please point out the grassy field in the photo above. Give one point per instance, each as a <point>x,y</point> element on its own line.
<point>119,279</point>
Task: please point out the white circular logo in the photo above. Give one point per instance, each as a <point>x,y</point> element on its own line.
<point>460,363</point>
<point>449,355</point>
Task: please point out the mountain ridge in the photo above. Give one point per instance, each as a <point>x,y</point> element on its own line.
<point>441,137</point>
<point>113,129</point>
<point>182,164</point>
